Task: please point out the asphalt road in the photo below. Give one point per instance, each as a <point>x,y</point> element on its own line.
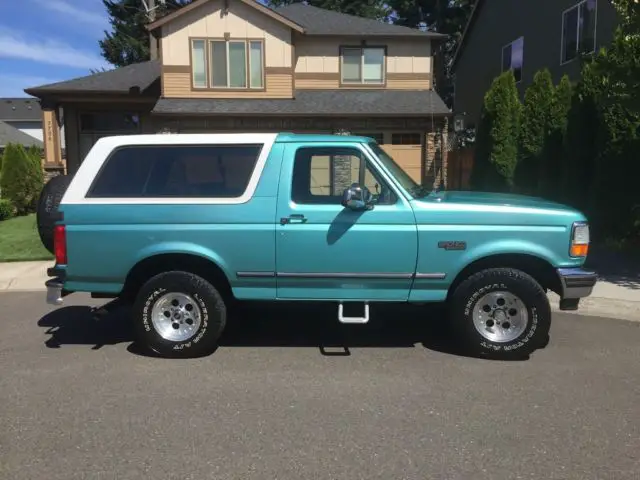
<point>78,401</point>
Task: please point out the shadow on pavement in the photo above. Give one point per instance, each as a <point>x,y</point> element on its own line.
<point>259,325</point>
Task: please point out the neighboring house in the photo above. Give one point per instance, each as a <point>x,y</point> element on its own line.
<point>525,36</point>
<point>226,66</point>
<point>10,134</point>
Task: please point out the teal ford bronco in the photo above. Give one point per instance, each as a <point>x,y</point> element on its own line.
<point>180,225</point>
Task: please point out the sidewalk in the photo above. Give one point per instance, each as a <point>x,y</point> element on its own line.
<point>612,297</point>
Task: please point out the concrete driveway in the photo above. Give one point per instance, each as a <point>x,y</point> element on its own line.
<point>293,395</point>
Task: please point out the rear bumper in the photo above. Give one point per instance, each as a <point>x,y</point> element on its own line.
<point>55,286</point>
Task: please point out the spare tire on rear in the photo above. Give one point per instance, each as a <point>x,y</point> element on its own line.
<point>47,211</point>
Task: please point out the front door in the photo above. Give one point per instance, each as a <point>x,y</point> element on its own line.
<point>325,251</point>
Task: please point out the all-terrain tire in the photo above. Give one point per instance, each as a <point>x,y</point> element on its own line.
<point>47,209</point>
<point>472,302</point>
<point>202,298</point>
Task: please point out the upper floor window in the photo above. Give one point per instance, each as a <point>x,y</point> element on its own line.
<point>362,65</point>
<point>237,64</point>
<point>513,58</point>
<point>578,30</point>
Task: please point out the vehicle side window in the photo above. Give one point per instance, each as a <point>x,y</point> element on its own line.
<point>187,171</point>
<point>321,174</point>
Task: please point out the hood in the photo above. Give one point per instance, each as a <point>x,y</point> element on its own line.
<point>494,199</point>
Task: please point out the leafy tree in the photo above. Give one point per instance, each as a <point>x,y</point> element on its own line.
<point>498,133</point>
<point>128,41</point>
<point>362,8</point>
<point>554,163</point>
<point>604,129</point>
<point>536,125</point>
<point>21,180</point>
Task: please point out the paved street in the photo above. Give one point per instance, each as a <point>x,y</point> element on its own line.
<point>78,401</point>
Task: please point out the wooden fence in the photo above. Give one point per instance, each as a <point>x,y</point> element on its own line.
<point>459,166</point>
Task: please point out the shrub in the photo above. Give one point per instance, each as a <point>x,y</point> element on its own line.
<point>498,132</point>
<point>22,180</point>
<point>7,209</point>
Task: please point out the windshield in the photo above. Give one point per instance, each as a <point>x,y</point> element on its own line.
<point>402,177</point>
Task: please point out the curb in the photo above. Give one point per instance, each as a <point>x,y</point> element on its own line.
<point>607,308</point>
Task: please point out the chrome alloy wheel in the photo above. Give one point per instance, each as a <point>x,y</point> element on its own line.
<point>500,316</point>
<point>176,317</point>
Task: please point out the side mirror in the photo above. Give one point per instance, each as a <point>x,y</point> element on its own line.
<point>357,198</point>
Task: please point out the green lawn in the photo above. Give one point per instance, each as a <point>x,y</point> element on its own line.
<point>19,240</point>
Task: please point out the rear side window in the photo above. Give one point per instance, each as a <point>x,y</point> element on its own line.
<point>186,171</point>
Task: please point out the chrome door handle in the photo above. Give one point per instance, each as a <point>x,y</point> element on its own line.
<point>293,218</point>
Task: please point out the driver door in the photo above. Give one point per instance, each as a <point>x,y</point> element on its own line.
<point>325,251</point>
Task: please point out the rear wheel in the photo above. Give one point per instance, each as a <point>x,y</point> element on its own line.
<point>501,312</point>
<point>47,209</point>
<point>179,314</point>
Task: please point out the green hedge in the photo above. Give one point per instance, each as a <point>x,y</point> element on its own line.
<point>21,179</point>
<point>7,209</point>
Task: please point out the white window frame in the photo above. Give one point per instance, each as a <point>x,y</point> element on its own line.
<point>76,193</point>
<point>510,44</point>
<point>595,32</point>
<point>362,49</point>
<point>208,64</point>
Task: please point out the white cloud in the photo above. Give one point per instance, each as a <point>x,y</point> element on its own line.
<point>13,85</point>
<point>76,12</point>
<point>46,50</point>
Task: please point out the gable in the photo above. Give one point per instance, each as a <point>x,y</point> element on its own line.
<point>213,21</point>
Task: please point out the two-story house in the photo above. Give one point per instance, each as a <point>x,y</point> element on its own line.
<point>525,36</point>
<point>225,66</point>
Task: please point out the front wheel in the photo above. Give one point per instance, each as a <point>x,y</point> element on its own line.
<point>179,314</point>
<point>501,312</point>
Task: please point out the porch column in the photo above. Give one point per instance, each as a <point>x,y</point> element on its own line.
<point>51,130</point>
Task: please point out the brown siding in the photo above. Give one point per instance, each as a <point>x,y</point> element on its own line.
<point>500,22</point>
<point>177,84</point>
<point>395,81</point>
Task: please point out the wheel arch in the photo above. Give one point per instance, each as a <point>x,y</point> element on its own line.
<point>152,265</point>
<point>539,268</point>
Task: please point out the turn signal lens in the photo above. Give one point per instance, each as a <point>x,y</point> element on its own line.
<point>579,250</point>
<point>579,240</point>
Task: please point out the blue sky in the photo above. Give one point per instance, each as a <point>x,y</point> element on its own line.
<point>44,41</point>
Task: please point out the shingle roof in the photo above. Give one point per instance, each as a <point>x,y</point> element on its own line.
<point>319,21</point>
<point>317,103</point>
<point>9,134</point>
<point>20,109</point>
<point>119,80</point>
<point>316,21</point>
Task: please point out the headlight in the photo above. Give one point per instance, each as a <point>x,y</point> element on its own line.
<point>579,240</point>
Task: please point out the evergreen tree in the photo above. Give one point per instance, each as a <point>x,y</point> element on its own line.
<point>21,180</point>
<point>128,41</point>
<point>362,8</point>
<point>498,133</point>
<point>536,125</point>
<point>443,16</point>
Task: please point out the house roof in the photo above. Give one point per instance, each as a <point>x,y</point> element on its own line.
<point>315,21</point>
<point>252,3</point>
<point>315,102</point>
<point>120,80</point>
<point>467,29</point>
<point>319,21</point>
<point>9,134</point>
<point>20,110</point>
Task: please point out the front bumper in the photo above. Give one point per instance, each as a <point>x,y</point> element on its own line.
<point>575,283</point>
